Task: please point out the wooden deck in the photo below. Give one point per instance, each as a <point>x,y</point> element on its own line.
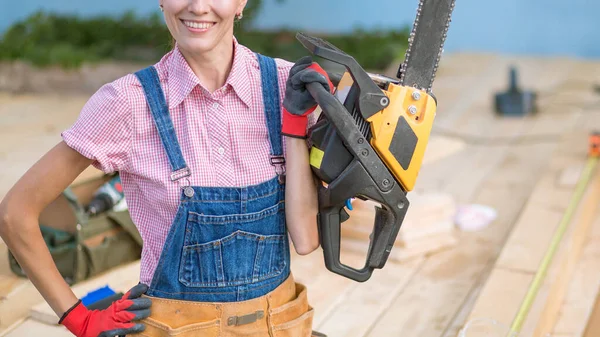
<point>506,162</point>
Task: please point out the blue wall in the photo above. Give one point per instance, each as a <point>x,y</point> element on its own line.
<point>547,27</point>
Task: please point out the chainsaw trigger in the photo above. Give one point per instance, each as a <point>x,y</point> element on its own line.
<point>349,203</point>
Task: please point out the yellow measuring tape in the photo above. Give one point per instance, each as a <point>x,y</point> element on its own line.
<point>562,227</point>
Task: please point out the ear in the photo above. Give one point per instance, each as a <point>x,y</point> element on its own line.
<point>241,6</point>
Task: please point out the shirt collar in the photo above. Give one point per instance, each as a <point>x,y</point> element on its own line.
<point>183,80</point>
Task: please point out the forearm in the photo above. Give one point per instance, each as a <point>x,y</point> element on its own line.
<point>19,227</point>
<point>22,236</point>
<point>301,198</point>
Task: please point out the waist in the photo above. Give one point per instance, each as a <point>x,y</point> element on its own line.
<point>288,302</point>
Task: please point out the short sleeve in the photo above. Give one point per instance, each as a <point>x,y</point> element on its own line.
<point>103,130</point>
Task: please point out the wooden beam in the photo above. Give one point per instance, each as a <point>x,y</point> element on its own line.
<point>592,329</point>
<point>523,253</point>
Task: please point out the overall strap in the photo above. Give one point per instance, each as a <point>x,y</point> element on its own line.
<point>155,97</point>
<point>271,101</point>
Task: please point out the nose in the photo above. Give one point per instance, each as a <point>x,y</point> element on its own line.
<point>199,7</point>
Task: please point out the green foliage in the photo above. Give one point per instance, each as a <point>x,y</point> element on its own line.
<point>50,39</point>
<point>47,39</point>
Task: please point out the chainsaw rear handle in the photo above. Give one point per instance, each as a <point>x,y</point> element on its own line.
<point>330,236</point>
<point>385,230</point>
<point>356,181</point>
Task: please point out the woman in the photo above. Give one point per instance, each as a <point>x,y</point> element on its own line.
<point>197,140</point>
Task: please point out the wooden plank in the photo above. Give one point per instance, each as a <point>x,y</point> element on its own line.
<point>570,175</point>
<point>418,248</point>
<point>325,289</point>
<point>544,311</point>
<point>367,301</point>
<point>592,329</point>
<point>428,214</point>
<point>567,261</point>
<point>525,248</point>
<point>28,131</point>
<point>583,289</point>
<point>531,236</point>
<point>33,328</point>
<point>521,255</point>
<point>440,147</point>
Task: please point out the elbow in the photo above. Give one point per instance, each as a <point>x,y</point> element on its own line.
<point>307,248</point>
<point>9,219</point>
<point>5,221</point>
<point>309,242</point>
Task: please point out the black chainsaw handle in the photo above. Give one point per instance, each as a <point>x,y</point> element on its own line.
<point>367,177</point>
<point>329,225</point>
<point>330,228</point>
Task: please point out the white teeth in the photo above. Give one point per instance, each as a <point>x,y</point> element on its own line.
<point>198,25</point>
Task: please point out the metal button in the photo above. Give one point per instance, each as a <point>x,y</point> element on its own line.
<point>221,150</point>
<point>189,192</point>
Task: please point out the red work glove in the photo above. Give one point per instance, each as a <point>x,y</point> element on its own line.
<point>113,321</point>
<point>298,102</point>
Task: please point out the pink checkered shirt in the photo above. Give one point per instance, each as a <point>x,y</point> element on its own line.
<point>223,138</point>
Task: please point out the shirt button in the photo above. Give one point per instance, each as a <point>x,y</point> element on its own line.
<point>221,150</point>
<point>216,105</point>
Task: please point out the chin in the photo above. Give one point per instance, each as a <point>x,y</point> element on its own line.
<point>198,45</point>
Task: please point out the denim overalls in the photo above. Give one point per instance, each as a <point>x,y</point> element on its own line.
<point>226,244</point>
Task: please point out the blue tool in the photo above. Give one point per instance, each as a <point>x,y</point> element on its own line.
<point>97,295</point>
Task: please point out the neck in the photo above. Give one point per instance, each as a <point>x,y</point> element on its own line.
<point>212,68</point>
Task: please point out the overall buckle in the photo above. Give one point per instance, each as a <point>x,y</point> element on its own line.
<point>279,163</point>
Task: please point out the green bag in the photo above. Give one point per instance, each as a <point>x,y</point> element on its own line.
<point>97,243</point>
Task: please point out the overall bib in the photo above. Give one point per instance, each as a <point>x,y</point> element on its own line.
<point>225,266</point>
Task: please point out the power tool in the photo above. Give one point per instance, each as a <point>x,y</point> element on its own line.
<point>370,138</point>
<point>515,101</point>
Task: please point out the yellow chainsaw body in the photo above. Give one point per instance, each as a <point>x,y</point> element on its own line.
<point>400,132</point>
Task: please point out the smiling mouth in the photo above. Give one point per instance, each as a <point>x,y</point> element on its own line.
<point>197,25</point>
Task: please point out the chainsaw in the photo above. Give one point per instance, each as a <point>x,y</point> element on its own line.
<point>370,138</point>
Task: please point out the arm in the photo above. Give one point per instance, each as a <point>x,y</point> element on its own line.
<point>301,198</point>
<point>301,188</point>
<point>101,136</point>
<point>19,228</point>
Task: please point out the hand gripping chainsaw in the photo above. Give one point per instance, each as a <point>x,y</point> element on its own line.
<point>369,140</point>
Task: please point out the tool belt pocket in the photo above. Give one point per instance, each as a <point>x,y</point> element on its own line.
<point>83,246</point>
<point>155,328</point>
<point>295,318</point>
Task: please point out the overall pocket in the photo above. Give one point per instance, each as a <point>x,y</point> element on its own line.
<point>233,249</point>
